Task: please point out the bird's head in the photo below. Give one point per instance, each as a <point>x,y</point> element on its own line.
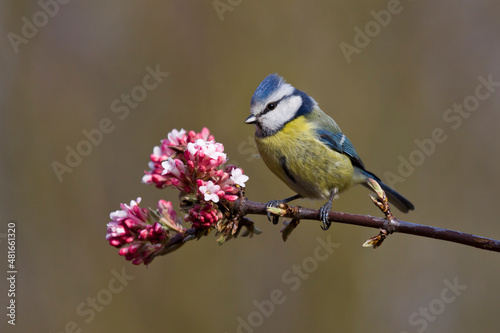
<point>275,103</point>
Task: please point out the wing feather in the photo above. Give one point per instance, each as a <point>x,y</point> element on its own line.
<point>340,143</point>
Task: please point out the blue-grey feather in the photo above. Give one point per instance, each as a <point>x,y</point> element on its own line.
<point>340,143</point>
<point>270,84</point>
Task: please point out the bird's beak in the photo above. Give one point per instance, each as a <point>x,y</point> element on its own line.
<point>251,119</point>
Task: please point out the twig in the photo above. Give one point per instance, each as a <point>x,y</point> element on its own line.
<point>245,206</point>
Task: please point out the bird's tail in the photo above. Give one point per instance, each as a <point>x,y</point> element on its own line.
<point>394,197</point>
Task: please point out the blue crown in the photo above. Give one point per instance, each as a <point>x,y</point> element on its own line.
<point>270,84</point>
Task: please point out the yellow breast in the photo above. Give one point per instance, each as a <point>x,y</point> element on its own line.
<point>303,162</point>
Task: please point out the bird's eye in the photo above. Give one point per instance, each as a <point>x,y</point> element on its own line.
<point>271,106</point>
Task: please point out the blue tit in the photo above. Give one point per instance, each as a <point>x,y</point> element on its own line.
<point>305,148</point>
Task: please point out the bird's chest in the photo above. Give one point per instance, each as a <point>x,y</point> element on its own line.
<point>305,164</point>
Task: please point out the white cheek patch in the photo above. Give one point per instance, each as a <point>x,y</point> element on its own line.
<point>284,112</point>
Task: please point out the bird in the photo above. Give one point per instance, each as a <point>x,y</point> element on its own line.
<point>306,149</point>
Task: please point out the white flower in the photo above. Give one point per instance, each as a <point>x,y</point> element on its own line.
<point>146,179</point>
<point>209,148</point>
<point>115,229</point>
<point>192,148</point>
<point>168,166</point>
<point>157,151</point>
<point>213,150</point>
<point>175,135</point>
<point>135,202</point>
<point>210,191</point>
<point>118,215</point>
<point>238,177</point>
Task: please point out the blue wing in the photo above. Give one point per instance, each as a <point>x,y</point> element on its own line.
<point>340,143</point>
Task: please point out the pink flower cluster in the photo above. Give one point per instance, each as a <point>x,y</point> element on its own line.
<point>204,215</point>
<point>136,233</point>
<point>193,163</point>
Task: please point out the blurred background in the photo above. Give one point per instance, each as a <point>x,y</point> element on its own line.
<point>390,73</point>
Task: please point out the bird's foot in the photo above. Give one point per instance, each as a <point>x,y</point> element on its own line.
<point>273,204</point>
<point>280,204</point>
<point>324,211</point>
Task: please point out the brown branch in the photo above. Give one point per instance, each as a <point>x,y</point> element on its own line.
<point>244,206</point>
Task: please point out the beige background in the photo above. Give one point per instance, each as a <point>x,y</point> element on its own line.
<point>65,77</point>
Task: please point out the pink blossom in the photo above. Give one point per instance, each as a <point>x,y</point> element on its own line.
<point>210,191</point>
<point>204,135</point>
<point>204,215</point>
<point>181,159</point>
<point>201,149</point>
<point>175,167</point>
<point>169,217</point>
<point>177,137</point>
<point>194,164</point>
<point>133,230</point>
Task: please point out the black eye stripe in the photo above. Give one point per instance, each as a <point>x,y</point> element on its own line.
<point>269,107</point>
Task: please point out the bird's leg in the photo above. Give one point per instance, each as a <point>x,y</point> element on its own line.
<point>276,203</point>
<point>324,211</point>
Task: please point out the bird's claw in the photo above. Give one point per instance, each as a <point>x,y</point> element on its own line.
<point>273,203</point>
<point>324,211</point>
